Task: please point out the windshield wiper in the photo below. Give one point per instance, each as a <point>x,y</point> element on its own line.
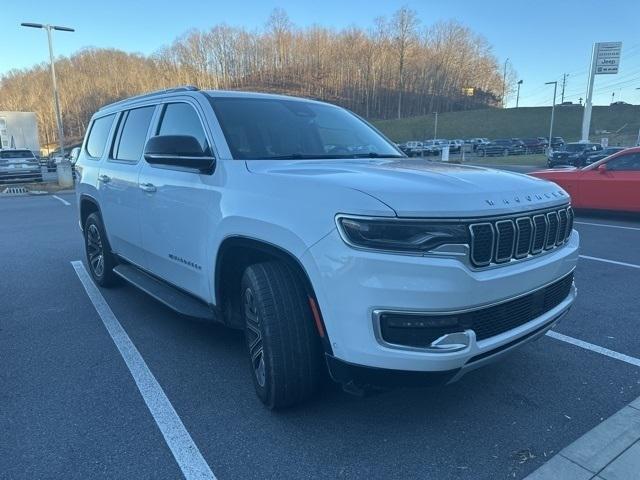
<point>373,155</point>
<point>296,156</point>
<point>302,156</point>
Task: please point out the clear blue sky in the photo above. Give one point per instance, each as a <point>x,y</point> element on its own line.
<point>542,39</point>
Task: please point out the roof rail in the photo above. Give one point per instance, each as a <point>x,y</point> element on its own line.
<point>185,88</point>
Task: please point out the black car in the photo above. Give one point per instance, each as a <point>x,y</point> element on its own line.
<point>602,154</point>
<point>501,146</point>
<point>573,154</point>
<point>534,145</point>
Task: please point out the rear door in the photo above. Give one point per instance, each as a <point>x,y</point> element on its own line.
<point>616,188</point>
<point>177,207</point>
<point>118,183</point>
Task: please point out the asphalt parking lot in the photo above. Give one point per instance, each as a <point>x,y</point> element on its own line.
<point>69,406</point>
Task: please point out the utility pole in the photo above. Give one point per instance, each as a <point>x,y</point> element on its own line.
<point>518,95</point>
<point>553,109</point>
<point>504,84</point>
<point>564,84</point>
<point>613,95</point>
<point>56,100</point>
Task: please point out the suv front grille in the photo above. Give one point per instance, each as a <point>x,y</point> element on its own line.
<point>420,330</point>
<point>516,237</point>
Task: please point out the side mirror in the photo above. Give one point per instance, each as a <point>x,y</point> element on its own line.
<point>178,151</point>
<point>602,168</point>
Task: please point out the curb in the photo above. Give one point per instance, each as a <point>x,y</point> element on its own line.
<point>609,451</point>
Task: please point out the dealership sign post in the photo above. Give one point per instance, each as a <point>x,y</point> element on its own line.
<point>605,60</point>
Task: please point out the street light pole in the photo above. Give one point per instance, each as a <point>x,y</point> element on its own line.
<point>518,95</point>
<point>56,99</point>
<point>553,109</point>
<point>504,83</point>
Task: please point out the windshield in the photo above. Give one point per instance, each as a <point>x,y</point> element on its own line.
<point>17,154</point>
<point>575,147</point>
<point>270,129</point>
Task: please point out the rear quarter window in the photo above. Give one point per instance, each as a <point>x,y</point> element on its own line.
<point>97,140</point>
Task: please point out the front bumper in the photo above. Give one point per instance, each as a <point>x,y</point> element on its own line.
<point>373,377</point>
<point>351,285</point>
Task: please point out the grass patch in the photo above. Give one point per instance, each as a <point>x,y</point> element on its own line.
<point>521,123</point>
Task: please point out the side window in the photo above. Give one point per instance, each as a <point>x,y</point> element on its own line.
<point>98,136</point>
<point>132,134</point>
<point>625,163</point>
<point>182,119</point>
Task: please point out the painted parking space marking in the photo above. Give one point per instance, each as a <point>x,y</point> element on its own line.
<point>182,446</point>
<point>606,225</point>
<point>614,262</point>
<point>594,348</point>
<point>61,199</point>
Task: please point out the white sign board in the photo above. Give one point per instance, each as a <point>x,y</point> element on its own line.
<point>607,57</point>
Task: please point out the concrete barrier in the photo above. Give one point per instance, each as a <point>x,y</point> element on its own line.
<point>65,174</point>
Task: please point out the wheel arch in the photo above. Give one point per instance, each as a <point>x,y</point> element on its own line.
<point>88,205</point>
<point>238,252</point>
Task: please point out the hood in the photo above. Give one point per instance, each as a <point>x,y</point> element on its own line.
<point>418,188</point>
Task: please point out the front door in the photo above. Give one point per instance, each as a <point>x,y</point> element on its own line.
<point>177,207</point>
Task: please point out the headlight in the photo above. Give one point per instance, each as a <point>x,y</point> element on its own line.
<point>404,236</point>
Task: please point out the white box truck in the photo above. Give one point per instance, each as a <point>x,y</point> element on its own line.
<point>19,130</point>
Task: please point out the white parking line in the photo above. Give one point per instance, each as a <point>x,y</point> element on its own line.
<point>615,262</point>
<point>180,443</point>
<point>594,348</point>
<point>606,225</point>
<point>61,199</point>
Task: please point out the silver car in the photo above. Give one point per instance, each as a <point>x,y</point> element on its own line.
<point>19,165</point>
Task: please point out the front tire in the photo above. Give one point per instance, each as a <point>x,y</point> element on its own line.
<point>283,346</point>
<point>99,256</point>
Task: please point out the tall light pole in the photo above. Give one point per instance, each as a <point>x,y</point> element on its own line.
<point>56,100</point>
<point>504,83</point>
<point>518,95</point>
<point>553,109</point>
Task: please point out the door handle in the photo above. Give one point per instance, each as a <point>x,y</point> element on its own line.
<point>104,178</point>
<point>148,187</point>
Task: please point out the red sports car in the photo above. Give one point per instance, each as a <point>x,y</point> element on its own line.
<point>612,183</point>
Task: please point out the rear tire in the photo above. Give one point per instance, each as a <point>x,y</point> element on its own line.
<point>283,346</point>
<point>100,259</point>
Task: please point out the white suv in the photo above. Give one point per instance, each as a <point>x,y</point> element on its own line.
<point>301,224</point>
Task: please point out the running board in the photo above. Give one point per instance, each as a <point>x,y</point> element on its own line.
<point>175,299</point>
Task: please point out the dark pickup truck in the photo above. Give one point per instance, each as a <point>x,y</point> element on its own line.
<point>573,154</point>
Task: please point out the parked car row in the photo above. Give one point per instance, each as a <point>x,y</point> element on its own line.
<point>482,146</point>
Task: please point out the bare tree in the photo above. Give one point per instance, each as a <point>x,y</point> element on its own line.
<point>391,69</point>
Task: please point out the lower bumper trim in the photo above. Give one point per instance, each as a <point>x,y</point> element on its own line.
<point>349,373</point>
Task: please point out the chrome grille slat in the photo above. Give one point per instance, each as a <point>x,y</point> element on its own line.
<point>501,240</point>
<point>562,228</point>
<point>539,233</point>
<point>524,233</point>
<point>482,243</point>
<point>552,231</point>
<point>505,239</point>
